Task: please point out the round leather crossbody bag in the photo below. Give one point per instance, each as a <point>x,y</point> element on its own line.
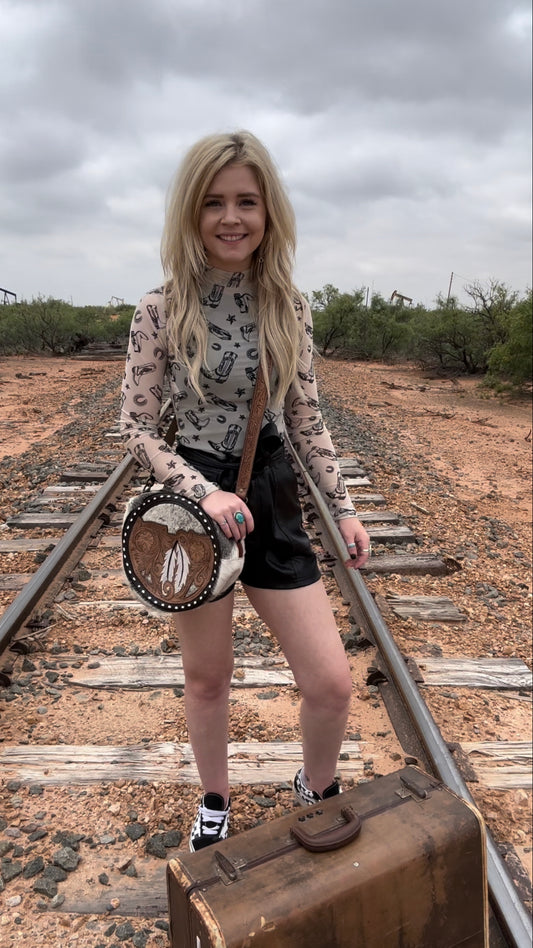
<point>174,555</point>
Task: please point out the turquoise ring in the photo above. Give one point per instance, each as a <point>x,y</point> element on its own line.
<point>239,517</point>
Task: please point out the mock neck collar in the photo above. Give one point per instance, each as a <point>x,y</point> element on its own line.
<point>236,278</point>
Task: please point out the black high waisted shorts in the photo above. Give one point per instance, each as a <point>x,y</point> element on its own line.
<point>278,554</point>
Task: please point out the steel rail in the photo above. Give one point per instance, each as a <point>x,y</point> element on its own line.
<point>33,592</point>
<point>514,920</point>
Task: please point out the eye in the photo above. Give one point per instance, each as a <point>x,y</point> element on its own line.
<point>212,202</point>
<point>248,202</point>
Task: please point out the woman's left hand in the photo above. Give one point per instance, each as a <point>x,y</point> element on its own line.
<point>357,542</point>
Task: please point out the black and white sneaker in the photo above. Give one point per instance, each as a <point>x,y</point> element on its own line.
<point>306,797</point>
<point>211,823</point>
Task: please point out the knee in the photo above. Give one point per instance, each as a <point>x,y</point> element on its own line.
<point>341,690</point>
<point>206,685</point>
<point>332,692</point>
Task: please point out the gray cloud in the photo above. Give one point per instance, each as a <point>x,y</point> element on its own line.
<point>401,129</point>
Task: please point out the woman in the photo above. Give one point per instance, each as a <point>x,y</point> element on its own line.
<point>228,306</point>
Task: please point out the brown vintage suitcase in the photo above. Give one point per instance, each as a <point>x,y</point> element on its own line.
<point>403,866</point>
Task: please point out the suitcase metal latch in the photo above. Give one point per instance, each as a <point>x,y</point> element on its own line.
<point>227,870</point>
<point>414,786</point>
<point>403,793</point>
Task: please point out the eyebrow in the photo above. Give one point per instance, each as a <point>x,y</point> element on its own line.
<point>242,194</point>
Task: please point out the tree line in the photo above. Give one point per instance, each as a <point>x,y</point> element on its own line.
<point>491,335</point>
<point>54,326</point>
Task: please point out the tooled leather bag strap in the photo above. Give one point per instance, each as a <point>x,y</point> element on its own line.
<point>257,410</point>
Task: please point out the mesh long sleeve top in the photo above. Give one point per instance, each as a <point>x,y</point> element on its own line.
<point>217,423</point>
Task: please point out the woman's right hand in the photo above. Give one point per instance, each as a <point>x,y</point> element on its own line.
<point>222,506</point>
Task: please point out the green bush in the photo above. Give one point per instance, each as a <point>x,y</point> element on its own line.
<point>51,325</point>
<point>450,337</point>
<point>512,359</point>
<point>336,317</point>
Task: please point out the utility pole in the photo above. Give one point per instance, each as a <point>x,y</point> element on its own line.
<point>450,287</point>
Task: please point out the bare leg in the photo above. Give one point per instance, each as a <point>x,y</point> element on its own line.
<point>304,625</point>
<point>207,650</point>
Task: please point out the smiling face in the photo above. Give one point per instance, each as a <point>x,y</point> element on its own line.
<point>233,218</point>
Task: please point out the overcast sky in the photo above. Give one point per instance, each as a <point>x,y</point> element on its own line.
<point>402,129</point>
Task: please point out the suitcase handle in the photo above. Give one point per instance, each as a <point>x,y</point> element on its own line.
<point>332,838</point>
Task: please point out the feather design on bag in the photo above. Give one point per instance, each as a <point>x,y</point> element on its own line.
<point>174,556</point>
<point>175,568</point>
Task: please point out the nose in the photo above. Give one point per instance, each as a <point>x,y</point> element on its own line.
<point>230,214</point>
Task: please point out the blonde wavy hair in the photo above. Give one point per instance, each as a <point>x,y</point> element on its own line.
<point>184,260</point>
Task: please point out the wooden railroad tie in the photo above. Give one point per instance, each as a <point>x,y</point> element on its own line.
<point>501,765</point>
<point>250,763</point>
<point>166,671</point>
<point>423,608</point>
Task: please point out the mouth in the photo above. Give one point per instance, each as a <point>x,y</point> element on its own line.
<point>230,238</point>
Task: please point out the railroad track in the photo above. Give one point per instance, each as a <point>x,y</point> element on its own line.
<point>83,662</point>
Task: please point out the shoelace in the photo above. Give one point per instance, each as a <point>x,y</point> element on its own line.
<point>211,820</point>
